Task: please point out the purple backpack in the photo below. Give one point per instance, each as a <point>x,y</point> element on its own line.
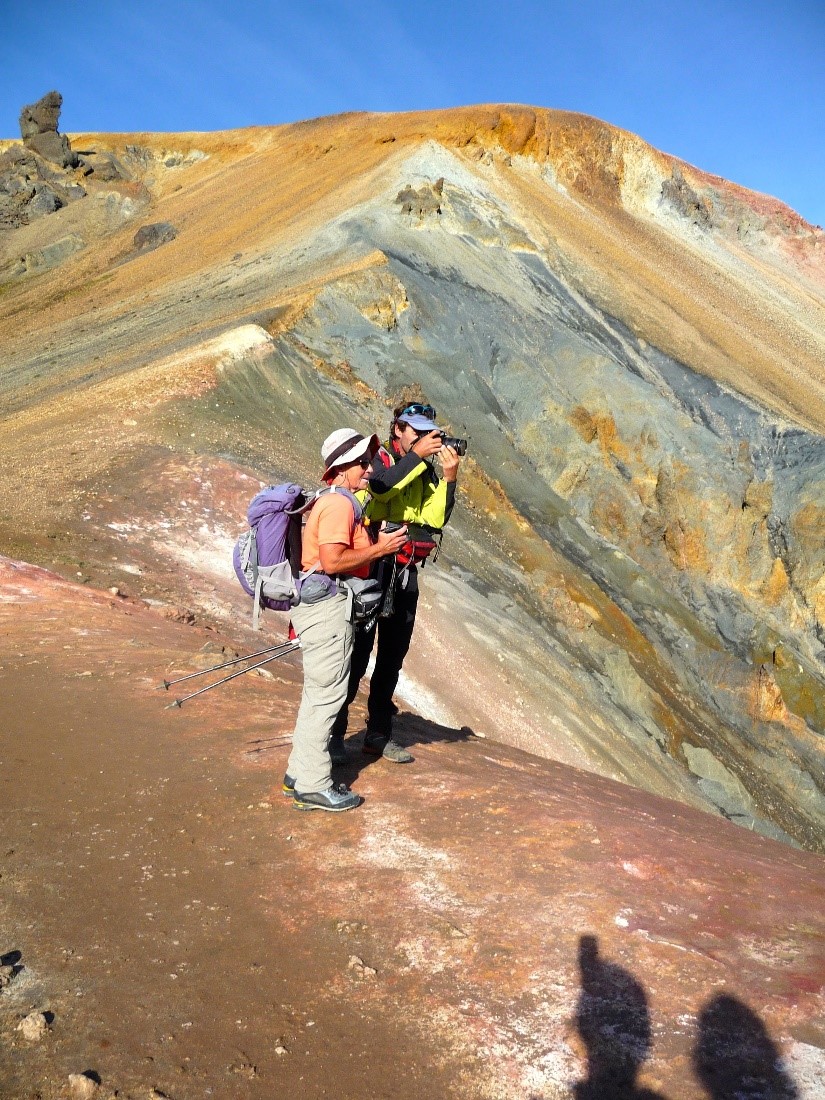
<point>267,557</point>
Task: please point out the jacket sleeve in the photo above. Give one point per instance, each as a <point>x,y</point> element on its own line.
<point>411,492</point>
<point>388,482</point>
<point>448,507</point>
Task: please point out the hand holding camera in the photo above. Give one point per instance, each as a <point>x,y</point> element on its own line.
<point>427,445</point>
<point>430,444</point>
<point>449,457</point>
<point>391,537</point>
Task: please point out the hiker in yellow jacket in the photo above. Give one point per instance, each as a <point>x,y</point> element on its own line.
<point>405,489</point>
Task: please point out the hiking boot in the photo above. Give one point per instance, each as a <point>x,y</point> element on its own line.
<point>335,799</point>
<point>288,786</point>
<point>337,751</point>
<point>387,748</point>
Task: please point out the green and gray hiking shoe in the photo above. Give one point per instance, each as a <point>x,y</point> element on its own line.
<point>335,799</point>
<point>337,751</point>
<point>376,745</point>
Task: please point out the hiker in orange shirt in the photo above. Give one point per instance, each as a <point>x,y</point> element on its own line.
<point>335,546</point>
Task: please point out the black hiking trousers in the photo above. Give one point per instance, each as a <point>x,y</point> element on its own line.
<point>394,637</point>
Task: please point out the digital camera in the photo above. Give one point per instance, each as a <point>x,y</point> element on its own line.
<point>458,445</point>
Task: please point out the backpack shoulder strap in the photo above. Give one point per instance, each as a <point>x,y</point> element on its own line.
<point>357,507</point>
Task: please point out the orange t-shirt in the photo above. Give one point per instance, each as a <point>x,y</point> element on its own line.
<point>332,520</point>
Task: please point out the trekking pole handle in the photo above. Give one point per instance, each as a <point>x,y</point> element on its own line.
<point>168,683</point>
<point>232,676</point>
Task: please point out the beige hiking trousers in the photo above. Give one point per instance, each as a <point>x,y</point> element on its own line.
<point>326,643</point>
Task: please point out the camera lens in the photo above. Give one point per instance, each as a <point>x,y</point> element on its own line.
<point>458,445</point>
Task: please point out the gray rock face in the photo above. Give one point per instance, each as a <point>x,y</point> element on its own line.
<point>54,148</point>
<point>697,515</point>
<point>52,254</point>
<point>684,200</point>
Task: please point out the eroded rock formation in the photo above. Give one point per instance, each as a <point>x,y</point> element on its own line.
<point>38,127</point>
<point>36,178</point>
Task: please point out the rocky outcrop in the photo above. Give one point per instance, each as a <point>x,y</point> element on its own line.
<point>31,188</point>
<point>684,200</point>
<point>38,127</point>
<point>41,117</point>
<point>421,201</point>
<point>45,174</point>
<point>37,178</point>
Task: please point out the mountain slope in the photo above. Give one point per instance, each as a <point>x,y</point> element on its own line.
<point>635,578</point>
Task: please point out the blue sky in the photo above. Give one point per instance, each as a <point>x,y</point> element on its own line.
<point>736,87</point>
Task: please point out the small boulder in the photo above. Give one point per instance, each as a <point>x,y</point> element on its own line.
<point>154,235</point>
<point>359,968</point>
<point>179,615</point>
<point>82,1086</point>
<point>33,1027</point>
<point>105,166</point>
<point>45,200</point>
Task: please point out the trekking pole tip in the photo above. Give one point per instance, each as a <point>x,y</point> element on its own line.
<point>166,684</point>
<point>174,703</point>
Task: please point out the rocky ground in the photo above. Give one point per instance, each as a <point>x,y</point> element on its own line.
<point>486,924</point>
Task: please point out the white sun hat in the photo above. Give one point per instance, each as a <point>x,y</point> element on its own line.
<point>346,445</point>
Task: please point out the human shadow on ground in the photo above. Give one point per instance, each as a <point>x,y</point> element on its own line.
<point>735,1057</point>
<point>614,1022</point>
<point>409,730</point>
<point>412,729</point>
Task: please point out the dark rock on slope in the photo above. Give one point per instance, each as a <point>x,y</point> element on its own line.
<point>154,235</point>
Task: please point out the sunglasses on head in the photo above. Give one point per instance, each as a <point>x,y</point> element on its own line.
<point>417,410</point>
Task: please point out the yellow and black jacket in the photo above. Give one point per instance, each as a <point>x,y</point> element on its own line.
<point>406,489</point>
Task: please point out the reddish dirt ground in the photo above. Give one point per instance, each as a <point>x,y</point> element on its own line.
<point>188,931</point>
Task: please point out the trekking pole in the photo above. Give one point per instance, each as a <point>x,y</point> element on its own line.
<point>215,668</point>
<point>179,702</point>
